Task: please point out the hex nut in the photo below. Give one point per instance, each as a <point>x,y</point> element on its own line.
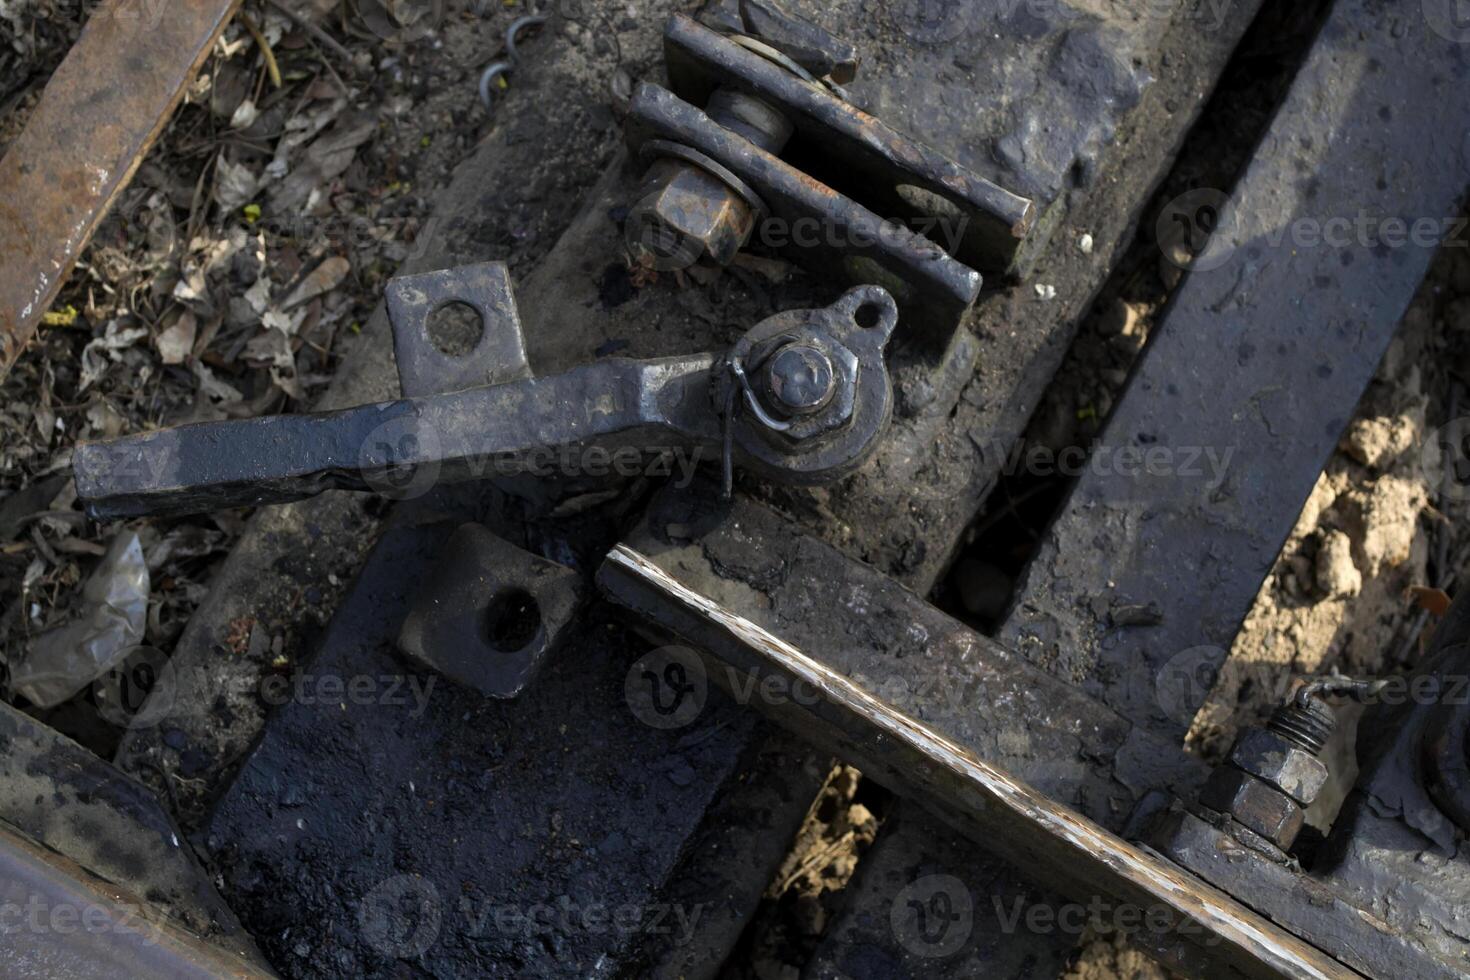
<point>1280,763</point>
<point>1254,804</point>
<point>688,214</point>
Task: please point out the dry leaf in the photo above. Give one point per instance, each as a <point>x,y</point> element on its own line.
<point>1437,601</point>
<point>177,342</point>
<point>323,279</point>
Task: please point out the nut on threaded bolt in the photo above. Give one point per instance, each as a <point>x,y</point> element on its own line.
<point>800,379</point>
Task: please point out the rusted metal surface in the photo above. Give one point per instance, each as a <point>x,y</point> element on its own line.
<point>102,110</point>
<point>1058,844</point>
<point>498,357</point>
<point>849,242</point>
<point>57,921</point>
<point>992,223</point>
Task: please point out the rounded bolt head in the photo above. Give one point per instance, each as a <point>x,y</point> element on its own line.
<point>800,379</point>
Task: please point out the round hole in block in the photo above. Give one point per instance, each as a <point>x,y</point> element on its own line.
<point>455,328</point>
<point>512,621</point>
<point>869,315</point>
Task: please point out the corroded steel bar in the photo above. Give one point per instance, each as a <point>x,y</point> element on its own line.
<point>100,113</point>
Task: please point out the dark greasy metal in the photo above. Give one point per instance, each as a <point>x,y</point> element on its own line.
<point>499,356</point>
<point>62,922</point>
<point>853,333</point>
<point>1059,845</point>
<point>799,379</point>
<point>1306,721</point>
<point>829,232</point>
<point>72,802</point>
<point>616,406</point>
<point>401,447</point>
<point>1397,847</point>
<point>1281,763</point>
<point>101,111</point>
<point>1297,902</point>
<point>854,152</point>
<point>691,207</point>
<point>805,43</point>
<point>902,522</point>
<point>430,808</point>
<point>491,614</point>
<point>1388,887</point>
<point>1265,352</point>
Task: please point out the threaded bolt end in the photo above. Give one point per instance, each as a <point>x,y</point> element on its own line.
<point>1305,722</point>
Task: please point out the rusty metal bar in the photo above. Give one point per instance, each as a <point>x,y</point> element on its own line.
<point>1207,929</point>
<point>100,113</point>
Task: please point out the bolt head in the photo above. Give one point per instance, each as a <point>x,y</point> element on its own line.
<point>801,379</point>
<point>1269,757</point>
<point>1254,804</point>
<point>687,215</point>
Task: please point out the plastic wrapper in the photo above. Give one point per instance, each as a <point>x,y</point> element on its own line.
<point>111,617</point>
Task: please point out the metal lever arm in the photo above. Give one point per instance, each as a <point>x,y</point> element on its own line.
<point>394,447</point>
<point>825,374</point>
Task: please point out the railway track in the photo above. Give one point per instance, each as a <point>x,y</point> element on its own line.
<point>624,813</point>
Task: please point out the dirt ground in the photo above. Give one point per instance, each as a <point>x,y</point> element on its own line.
<point>267,219</point>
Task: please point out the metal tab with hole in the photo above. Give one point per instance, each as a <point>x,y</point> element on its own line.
<point>496,356</point>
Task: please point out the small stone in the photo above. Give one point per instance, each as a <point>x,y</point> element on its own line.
<point>1085,243</point>
<point>1376,441</point>
<point>1337,576</point>
<point>1045,292</point>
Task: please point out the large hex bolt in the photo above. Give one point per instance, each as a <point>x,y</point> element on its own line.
<point>685,213</point>
<point>1256,805</point>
